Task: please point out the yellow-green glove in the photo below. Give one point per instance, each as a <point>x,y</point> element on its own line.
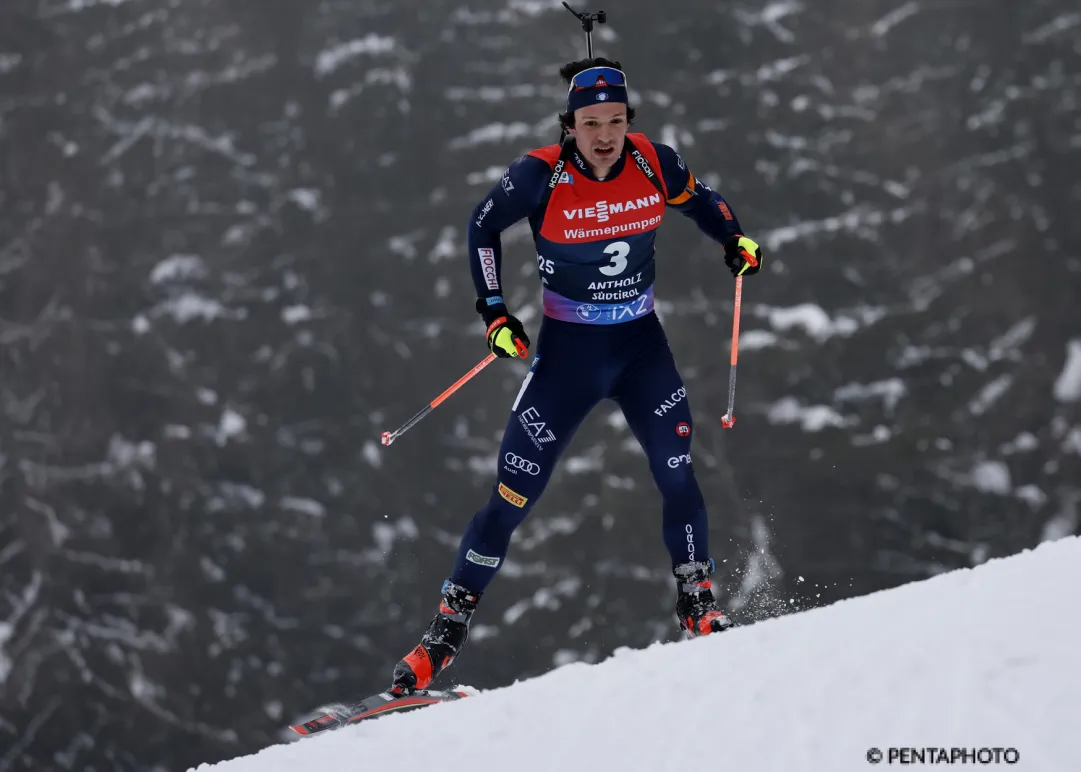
<point>742,255</point>
<point>506,335</point>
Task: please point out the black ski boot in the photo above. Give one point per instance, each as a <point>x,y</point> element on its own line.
<point>695,607</point>
<point>441,643</point>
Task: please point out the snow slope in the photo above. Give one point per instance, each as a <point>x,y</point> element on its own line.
<point>984,657</point>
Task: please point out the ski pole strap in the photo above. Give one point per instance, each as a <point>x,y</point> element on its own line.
<point>495,324</point>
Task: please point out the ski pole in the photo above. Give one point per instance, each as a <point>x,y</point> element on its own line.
<point>728,419</point>
<point>389,437</point>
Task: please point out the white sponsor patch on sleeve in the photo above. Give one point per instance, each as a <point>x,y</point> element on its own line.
<point>487,267</point>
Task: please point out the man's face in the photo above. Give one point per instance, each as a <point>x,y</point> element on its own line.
<point>599,131</point>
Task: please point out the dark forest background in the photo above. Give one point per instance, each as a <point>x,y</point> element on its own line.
<point>232,254</point>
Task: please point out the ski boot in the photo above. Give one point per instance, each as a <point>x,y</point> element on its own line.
<point>695,607</point>
<point>441,643</point>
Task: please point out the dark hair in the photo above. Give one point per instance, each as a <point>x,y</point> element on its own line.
<point>570,69</point>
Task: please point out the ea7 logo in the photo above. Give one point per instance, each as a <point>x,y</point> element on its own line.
<point>534,427</point>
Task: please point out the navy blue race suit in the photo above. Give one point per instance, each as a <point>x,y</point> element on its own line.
<point>599,337</point>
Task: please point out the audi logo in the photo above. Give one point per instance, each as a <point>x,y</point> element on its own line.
<point>517,462</point>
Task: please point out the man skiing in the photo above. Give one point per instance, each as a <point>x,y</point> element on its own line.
<point>594,204</point>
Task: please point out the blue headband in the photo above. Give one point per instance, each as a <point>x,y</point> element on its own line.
<point>584,97</point>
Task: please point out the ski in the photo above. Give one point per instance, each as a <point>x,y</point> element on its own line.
<point>337,715</point>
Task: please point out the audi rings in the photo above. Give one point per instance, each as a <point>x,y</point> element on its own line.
<point>524,464</point>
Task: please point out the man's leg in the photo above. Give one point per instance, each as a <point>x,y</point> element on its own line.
<point>654,401</point>
<point>554,399</point>
<point>552,403</point>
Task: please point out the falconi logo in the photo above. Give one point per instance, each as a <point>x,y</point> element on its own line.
<point>516,499</point>
<point>676,397</point>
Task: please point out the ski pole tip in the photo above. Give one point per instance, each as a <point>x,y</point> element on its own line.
<point>386,438</point>
<point>727,420</point>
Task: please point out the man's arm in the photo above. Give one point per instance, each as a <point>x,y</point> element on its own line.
<point>516,196</point>
<point>692,198</point>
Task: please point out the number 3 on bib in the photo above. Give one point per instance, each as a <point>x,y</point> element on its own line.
<point>619,251</point>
